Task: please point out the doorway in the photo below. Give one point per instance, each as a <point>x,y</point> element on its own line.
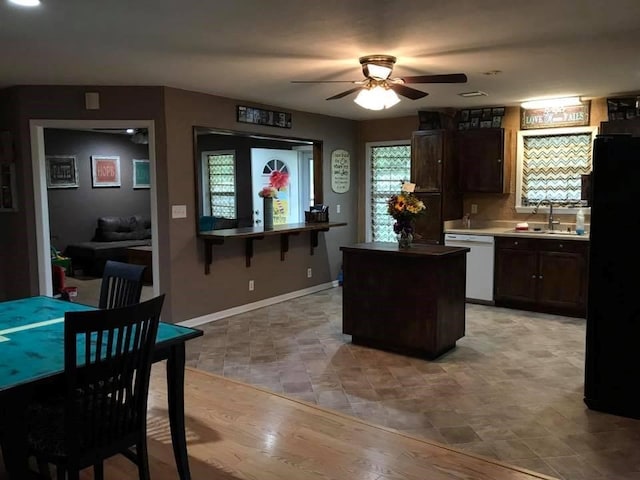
<point>41,203</point>
<point>264,161</point>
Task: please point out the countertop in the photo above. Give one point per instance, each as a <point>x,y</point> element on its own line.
<point>416,249</point>
<point>502,231</point>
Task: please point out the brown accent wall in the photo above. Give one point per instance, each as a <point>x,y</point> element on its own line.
<point>194,293</point>
<point>175,112</point>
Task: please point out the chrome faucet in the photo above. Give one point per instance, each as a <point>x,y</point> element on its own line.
<point>551,222</point>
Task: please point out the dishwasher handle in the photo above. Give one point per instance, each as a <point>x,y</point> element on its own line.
<point>455,237</point>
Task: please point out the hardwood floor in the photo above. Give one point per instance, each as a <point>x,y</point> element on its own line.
<point>236,431</point>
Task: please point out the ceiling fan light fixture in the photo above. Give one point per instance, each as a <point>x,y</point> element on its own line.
<point>377,98</point>
<point>379,71</point>
<point>140,137</point>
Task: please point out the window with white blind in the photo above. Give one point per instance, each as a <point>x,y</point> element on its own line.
<point>220,183</point>
<point>551,163</point>
<point>388,165</point>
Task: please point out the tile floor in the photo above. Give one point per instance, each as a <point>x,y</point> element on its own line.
<point>511,390</point>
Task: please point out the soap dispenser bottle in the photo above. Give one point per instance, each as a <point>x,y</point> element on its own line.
<point>580,222</point>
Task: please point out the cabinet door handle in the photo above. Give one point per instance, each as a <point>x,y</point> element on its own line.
<point>540,277</point>
<point>560,245</point>
<point>499,160</point>
<point>515,243</point>
<point>534,276</point>
<point>440,161</point>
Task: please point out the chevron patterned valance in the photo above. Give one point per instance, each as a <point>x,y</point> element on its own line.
<point>552,168</point>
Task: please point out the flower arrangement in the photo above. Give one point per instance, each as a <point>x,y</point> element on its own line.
<point>277,181</point>
<point>404,207</point>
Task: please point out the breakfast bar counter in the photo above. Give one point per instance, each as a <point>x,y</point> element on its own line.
<point>411,301</point>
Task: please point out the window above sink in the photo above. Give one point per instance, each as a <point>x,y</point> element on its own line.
<point>550,165</point>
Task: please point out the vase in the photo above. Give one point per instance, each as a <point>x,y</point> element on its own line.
<point>267,213</point>
<point>404,239</point>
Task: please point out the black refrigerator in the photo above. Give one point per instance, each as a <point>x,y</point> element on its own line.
<point>612,362</point>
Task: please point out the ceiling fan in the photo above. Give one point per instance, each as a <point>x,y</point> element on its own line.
<point>377,71</point>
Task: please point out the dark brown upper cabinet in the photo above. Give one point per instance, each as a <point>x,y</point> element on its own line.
<point>428,150</point>
<point>435,174</point>
<point>485,158</point>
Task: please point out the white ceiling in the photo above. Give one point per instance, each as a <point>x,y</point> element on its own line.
<point>252,49</point>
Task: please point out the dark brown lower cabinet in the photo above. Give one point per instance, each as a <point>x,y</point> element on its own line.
<point>429,226</point>
<point>543,275</point>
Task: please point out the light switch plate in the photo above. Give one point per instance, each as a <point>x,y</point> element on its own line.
<point>178,211</point>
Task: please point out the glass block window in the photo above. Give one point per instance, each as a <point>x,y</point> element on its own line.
<point>552,166</point>
<point>222,184</point>
<point>390,166</point>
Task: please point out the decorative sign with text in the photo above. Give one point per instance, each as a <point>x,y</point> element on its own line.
<point>105,171</point>
<point>572,116</point>
<point>340,171</point>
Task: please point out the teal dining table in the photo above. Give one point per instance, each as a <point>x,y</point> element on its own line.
<point>32,352</point>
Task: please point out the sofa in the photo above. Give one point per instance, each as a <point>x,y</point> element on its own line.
<point>113,236</point>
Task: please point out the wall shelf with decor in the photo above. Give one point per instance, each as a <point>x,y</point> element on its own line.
<point>8,201</point>
<point>250,234</point>
<point>488,117</point>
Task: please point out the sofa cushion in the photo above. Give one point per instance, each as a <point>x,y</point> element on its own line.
<point>114,229</point>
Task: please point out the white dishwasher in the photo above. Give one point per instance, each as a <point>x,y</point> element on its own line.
<point>479,264</point>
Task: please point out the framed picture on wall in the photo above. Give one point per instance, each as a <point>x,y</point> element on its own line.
<point>105,171</point>
<point>141,176</point>
<point>62,171</point>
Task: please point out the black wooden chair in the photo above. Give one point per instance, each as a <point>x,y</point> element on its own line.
<point>103,412</point>
<point>121,284</point>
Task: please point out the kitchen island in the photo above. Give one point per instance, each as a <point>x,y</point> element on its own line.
<point>410,301</point>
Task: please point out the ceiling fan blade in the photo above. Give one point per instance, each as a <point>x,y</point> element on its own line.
<point>446,78</point>
<point>408,92</point>
<point>326,81</point>
<point>345,93</point>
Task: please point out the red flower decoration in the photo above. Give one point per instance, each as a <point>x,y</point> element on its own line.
<point>278,179</point>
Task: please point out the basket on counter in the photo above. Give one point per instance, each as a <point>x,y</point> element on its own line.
<point>316,217</point>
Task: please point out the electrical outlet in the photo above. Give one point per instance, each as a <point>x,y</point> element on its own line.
<point>251,285</point>
<point>309,273</point>
<point>474,208</point>
<point>338,208</point>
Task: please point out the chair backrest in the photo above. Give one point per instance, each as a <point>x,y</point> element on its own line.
<point>108,356</point>
<point>121,284</point>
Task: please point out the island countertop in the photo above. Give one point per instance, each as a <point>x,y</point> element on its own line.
<point>386,248</point>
